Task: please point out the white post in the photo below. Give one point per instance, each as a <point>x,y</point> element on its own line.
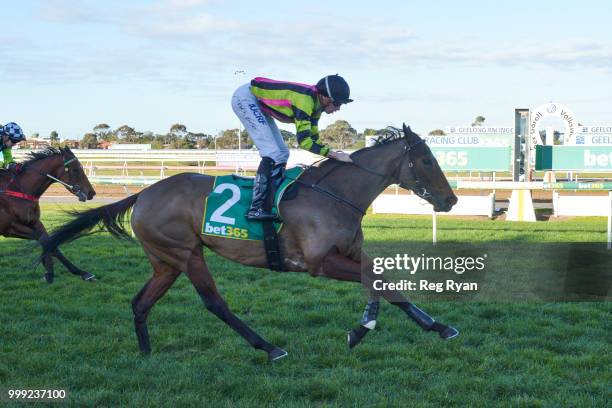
<point>239,73</point>
<point>434,229</point>
<point>610,221</point>
<point>494,189</point>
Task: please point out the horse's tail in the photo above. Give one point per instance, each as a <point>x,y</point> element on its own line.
<point>111,216</point>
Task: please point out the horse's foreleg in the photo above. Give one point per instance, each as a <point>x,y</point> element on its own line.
<point>200,277</point>
<point>163,277</point>
<point>340,267</point>
<point>368,322</point>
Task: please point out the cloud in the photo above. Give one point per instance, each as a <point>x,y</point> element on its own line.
<point>185,3</point>
<point>70,12</point>
<point>182,42</point>
<point>370,44</point>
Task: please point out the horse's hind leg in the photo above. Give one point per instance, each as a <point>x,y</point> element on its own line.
<point>200,277</point>
<point>163,277</point>
<point>38,233</point>
<point>86,276</point>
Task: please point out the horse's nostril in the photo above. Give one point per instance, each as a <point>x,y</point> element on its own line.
<point>452,200</point>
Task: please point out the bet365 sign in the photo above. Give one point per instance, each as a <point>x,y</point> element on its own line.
<point>579,158</point>
<point>464,158</point>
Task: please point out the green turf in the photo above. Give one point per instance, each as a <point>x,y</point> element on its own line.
<point>79,336</point>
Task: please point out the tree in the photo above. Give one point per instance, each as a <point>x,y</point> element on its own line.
<point>371,132</point>
<point>478,121</point>
<point>289,138</point>
<point>202,140</point>
<point>104,132</point>
<point>339,135</point>
<point>53,136</point>
<point>89,141</point>
<point>125,132</point>
<point>227,139</point>
<point>437,132</point>
<point>178,130</point>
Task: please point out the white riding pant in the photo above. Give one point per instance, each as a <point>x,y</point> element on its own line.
<point>261,127</point>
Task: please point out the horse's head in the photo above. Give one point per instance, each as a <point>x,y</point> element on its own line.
<point>420,172</point>
<point>73,176</point>
<point>59,165</point>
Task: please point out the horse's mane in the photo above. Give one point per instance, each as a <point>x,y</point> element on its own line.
<point>43,154</point>
<point>387,135</point>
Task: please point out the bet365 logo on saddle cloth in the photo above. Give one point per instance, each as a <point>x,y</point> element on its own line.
<point>227,204</point>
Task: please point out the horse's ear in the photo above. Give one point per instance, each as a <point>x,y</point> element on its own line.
<point>410,136</point>
<point>408,133</point>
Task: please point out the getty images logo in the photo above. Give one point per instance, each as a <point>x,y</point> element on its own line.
<point>597,160</point>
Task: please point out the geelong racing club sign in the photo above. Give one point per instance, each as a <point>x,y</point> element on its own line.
<point>552,109</point>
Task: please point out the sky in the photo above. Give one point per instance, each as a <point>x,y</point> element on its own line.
<point>70,65</point>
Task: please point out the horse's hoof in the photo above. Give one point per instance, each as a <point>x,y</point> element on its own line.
<point>49,278</point>
<point>354,336</point>
<point>277,354</point>
<point>448,333</point>
<point>86,276</point>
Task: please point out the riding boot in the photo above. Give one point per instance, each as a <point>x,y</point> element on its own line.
<point>260,209</point>
<point>278,173</point>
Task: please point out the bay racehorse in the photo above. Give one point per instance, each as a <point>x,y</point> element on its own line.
<point>20,192</point>
<point>321,235</point>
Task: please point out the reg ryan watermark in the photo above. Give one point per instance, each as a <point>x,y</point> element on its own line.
<point>421,264</point>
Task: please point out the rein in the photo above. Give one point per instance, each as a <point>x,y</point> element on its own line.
<point>419,190</point>
<point>66,163</point>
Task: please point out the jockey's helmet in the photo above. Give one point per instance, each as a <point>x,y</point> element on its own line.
<point>336,88</point>
<point>13,131</point>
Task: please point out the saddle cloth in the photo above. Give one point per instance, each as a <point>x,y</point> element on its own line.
<point>226,206</point>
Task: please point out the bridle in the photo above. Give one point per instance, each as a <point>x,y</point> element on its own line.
<point>73,188</point>
<point>418,188</point>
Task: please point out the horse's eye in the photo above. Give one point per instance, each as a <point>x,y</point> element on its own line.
<point>427,162</point>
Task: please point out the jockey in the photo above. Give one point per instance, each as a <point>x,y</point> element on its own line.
<point>10,134</point>
<point>258,102</point>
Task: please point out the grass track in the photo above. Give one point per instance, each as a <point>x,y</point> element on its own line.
<point>79,336</point>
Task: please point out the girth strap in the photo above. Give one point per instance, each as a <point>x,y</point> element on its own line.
<point>17,194</point>
<point>272,247</point>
